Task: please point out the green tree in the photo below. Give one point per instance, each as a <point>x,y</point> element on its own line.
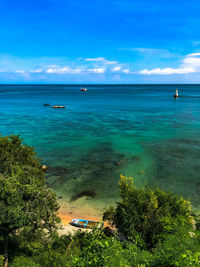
<point>24,198</point>
<point>146,214</point>
<point>180,249</point>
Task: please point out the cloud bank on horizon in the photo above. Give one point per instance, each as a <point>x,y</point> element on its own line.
<point>99,42</point>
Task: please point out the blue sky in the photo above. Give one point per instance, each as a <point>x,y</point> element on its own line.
<point>98,41</point>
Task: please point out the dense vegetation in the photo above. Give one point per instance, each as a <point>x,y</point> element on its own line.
<point>149,227</point>
<point>24,199</point>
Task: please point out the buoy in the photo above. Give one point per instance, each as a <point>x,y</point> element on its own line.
<point>176,94</point>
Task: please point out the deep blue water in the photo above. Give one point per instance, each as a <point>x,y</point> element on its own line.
<point>137,130</point>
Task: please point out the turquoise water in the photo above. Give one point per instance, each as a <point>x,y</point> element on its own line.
<point>138,130</point>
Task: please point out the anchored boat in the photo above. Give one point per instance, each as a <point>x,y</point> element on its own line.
<point>86,224</point>
<point>58,106</point>
<point>83,89</point>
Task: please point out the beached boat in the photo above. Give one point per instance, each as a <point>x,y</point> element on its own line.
<point>83,89</point>
<point>86,224</point>
<point>58,106</point>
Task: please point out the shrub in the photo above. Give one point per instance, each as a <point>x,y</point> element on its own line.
<point>145,214</point>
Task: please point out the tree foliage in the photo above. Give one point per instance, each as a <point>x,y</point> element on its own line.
<point>24,198</point>
<point>150,227</point>
<point>146,215</point>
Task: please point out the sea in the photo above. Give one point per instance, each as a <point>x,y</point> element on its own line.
<point>140,131</point>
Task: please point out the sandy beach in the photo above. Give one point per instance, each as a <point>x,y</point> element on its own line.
<point>79,210</point>
<point>82,208</point>
<point>66,218</point>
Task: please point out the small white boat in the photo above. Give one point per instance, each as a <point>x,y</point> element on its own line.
<point>83,89</point>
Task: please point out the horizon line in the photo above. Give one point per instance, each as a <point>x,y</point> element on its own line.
<point>89,84</point>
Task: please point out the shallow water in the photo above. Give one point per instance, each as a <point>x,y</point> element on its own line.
<point>140,131</point>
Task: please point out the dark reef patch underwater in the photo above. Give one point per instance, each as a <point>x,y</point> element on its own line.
<point>93,173</point>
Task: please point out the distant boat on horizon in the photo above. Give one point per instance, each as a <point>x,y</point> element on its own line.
<point>83,89</point>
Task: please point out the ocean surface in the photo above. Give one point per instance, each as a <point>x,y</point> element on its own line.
<point>137,130</point>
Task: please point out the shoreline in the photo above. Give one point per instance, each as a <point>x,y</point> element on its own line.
<point>82,208</point>
<point>66,218</point>
<point>86,211</point>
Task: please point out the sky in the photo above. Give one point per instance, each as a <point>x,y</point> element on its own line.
<point>99,41</point>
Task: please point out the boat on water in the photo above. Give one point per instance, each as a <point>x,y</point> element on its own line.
<point>86,224</point>
<point>83,89</point>
<point>56,106</point>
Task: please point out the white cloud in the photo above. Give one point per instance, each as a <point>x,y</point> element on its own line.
<point>190,64</point>
<point>52,66</point>
<point>95,59</point>
<point>69,70</point>
<point>37,70</point>
<point>115,69</point>
<point>64,70</point>
<point>96,70</point>
<point>192,60</point>
<point>127,71</point>
<point>20,71</point>
<point>167,71</point>
<point>193,55</point>
<point>101,60</point>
